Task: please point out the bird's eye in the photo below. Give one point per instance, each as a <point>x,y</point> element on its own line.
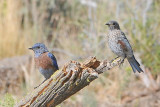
<point>114,24</point>
<point>38,47</point>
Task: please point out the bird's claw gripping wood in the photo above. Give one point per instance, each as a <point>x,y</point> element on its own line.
<point>40,84</point>
<point>114,59</point>
<point>121,61</point>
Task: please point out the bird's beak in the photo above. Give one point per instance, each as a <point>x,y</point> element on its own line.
<point>30,48</point>
<point>107,24</point>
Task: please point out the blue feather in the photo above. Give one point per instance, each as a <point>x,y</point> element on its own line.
<point>54,61</point>
<point>134,64</point>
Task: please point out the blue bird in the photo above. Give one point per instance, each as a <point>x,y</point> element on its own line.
<point>44,61</point>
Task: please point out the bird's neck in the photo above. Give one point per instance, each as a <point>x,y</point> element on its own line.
<point>36,55</point>
<point>39,53</point>
<point>112,28</point>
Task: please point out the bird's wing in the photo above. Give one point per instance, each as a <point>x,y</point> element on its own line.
<point>123,41</point>
<point>123,45</point>
<point>54,61</point>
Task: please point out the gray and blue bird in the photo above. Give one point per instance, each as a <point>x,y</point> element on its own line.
<point>44,61</point>
<point>120,45</point>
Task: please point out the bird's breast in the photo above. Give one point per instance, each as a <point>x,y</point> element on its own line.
<point>114,45</point>
<point>43,61</point>
<point>112,38</point>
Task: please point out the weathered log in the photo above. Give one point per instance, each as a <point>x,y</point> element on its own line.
<point>65,82</point>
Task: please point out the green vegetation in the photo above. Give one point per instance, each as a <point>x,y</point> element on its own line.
<point>7,101</point>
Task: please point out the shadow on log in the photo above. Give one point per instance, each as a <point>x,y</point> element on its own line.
<point>65,82</point>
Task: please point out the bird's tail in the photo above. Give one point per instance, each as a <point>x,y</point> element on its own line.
<point>134,64</point>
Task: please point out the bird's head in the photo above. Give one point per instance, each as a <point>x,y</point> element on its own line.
<point>113,25</point>
<point>39,48</point>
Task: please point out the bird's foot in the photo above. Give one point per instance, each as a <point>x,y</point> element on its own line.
<point>120,61</point>
<point>36,87</point>
<point>40,84</point>
<point>114,58</point>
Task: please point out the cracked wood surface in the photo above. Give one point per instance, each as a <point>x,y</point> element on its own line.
<point>73,77</point>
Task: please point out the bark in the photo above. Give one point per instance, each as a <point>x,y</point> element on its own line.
<point>73,77</point>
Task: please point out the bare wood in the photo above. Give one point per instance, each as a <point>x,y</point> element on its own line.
<point>64,83</point>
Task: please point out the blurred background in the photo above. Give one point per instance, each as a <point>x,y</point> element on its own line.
<point>75,30</point>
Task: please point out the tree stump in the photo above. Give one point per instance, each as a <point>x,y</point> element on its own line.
<point>65,82</point>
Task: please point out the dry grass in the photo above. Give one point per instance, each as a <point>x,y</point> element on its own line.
<point>12,40</point>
